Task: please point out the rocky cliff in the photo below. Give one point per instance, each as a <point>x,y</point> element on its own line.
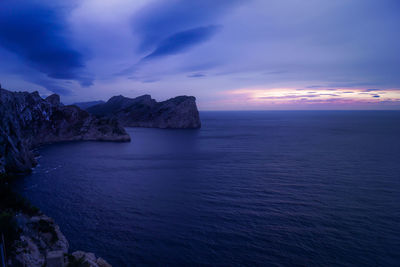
<point>28,121</point>
<point>143,111</point>
<point>41,243</point>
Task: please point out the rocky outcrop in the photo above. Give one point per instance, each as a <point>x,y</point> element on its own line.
<point>54,100</point>
<point>39,236</point>
<point>143,111</point>
<point>41,243</point>
<point>90,259</point>
<point>28,121</point>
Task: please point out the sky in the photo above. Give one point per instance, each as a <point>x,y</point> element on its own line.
<point>229,54</point>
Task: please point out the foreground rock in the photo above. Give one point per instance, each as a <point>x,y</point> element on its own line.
<point>90,259</point>
<point>143,111</point>
<point>39,235</point>
<point>41,243</point>
<point>28,121</point>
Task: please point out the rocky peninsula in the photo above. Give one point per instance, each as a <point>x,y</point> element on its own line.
<point>179,112</point>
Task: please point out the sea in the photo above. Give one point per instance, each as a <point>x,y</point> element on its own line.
<point>250,188</point>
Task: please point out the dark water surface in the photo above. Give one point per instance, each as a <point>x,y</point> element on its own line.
<point>250,188</point>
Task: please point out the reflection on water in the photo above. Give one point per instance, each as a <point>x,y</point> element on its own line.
<point>249,188</point>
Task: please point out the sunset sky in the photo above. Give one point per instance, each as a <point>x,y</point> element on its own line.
<point>230,54</point>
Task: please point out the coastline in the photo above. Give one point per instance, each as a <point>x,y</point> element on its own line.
<point>28,121</point>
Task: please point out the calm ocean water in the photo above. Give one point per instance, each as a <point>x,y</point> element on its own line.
<point>277,188</point>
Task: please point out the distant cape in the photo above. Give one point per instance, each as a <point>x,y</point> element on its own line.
<point>143,111</point>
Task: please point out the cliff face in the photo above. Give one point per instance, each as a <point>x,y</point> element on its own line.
<point>143,111</point>
<point>27,121</point>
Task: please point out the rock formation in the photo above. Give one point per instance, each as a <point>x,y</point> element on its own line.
<point>54,100</point>
<point>28,121</point>
<point>41,243</point>
<point>143,111</point>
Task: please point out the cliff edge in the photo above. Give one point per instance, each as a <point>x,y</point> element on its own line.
<point>28,121</point>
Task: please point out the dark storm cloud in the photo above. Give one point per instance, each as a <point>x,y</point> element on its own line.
<point>160,19</point>
<point>196,75</point>
<point>36,31</point>
<point>181,41</point>
<point>172,27</point>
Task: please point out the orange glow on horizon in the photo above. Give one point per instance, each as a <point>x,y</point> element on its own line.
<point>312,96</point>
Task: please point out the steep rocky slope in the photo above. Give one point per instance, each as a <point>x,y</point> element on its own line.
<point>143,111</point>
<point>28,121</point>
